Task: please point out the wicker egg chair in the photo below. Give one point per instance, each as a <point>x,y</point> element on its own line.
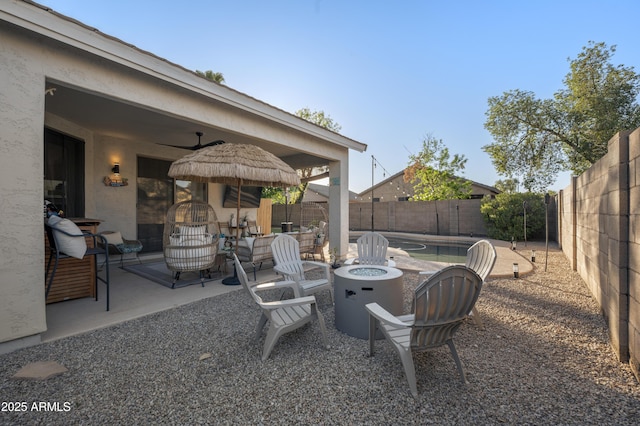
<point>190,239</point>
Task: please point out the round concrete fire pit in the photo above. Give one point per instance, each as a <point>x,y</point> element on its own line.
<point>357,285</point>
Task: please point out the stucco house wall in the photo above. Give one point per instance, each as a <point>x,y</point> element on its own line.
<point>22,84</point>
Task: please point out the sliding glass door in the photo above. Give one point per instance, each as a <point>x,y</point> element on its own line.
<point>156,193</point>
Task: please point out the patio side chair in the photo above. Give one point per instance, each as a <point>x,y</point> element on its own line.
<point>118,245</point>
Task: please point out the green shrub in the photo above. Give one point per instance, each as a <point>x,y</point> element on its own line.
<point>504,215</point>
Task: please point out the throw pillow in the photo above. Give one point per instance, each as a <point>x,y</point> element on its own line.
<point>114,238</point>
<point>67,244</point>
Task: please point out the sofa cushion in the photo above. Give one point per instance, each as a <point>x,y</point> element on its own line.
<point>193,230</point>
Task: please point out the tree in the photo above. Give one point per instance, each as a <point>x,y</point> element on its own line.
<point>322,120</point>
<point>433,173</point>
<point>295,196</point>
<point>319,118</point>
<point>537,138</point>
<point>504,215</point>
<point>507,185</point>
<point>212,76</point>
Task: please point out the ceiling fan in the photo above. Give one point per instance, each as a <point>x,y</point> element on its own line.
<point>199,145</point>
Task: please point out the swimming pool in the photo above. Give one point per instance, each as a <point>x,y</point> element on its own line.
<point>434,251</point>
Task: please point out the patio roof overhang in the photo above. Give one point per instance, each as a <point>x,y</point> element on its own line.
<point>132,118</point>
<point>123,120</point>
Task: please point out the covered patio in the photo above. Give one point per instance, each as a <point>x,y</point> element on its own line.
<point>102,102</point>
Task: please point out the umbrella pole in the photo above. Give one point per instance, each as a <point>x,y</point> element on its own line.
<point>234,279</point>
<point>238,213</point>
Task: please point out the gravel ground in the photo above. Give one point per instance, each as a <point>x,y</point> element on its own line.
<point>541,358</point>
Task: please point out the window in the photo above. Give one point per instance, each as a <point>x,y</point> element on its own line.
<point>64,172</point>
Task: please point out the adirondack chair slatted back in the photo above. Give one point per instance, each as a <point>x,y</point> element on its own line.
<point>372,249</point>
<point>286,254</point>
<point>244,280</point>
<point>442,303</point>
<point>481,257</point>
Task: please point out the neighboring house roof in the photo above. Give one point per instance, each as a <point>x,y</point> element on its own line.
<point>399,177</point>
<point>320,193</point>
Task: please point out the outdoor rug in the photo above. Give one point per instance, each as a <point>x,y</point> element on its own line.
<point>159,273</point>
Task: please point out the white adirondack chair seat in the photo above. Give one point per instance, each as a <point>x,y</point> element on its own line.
<point>442,302</point>
<point>481,257</point>
<point>372,250</point>
<point>286,256</point>
<point>283,315</point>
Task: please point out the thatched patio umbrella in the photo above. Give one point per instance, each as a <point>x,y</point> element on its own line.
<point>234,164</point>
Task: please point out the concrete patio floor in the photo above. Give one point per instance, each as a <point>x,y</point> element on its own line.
<point>133,296</point>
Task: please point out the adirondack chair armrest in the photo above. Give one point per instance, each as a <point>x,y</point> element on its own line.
<point>315,264</point>
<point>384,316</point>
<point>407,319</point>
<point>275,285</point>
<point>350,261</point>
<point>289,302</point>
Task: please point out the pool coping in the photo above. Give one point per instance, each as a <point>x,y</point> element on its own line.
<point>505,256</point>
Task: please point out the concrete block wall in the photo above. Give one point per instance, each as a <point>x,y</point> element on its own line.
<point>599,235</point>
<point>566,218</point>
<point>633,278</point>
<point>447,217</point>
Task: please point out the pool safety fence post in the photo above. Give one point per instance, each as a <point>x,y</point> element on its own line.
<point>524,207</point>
<point>547,198</point>
<point>373,165</point>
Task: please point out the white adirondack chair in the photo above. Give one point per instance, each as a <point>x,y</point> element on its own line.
<point>283,315</point>
<point>480,257</point>
<point>372,250</point>
<point>442,302</point>
<point>286,256</point>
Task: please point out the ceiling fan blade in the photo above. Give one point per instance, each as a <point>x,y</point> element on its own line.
<point>213,143</point>
<point>193,148</point>
<point>199,145</point>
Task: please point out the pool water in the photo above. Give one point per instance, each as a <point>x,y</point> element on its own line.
<point>437,252</point>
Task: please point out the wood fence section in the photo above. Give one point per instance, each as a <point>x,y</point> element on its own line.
<point>263,216</point>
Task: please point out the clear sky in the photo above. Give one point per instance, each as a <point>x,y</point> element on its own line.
<point>389,72</point>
